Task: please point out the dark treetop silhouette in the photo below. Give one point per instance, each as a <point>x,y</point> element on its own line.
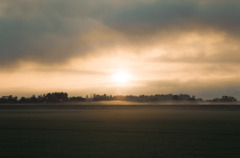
<point>59,97</point>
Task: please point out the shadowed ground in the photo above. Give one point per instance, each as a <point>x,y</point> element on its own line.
<point>102,131</point>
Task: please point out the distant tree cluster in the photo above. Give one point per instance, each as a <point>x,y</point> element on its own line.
<point>225,99</point>
<point>59,97</point>
<point>102,97</point>
<point>56,97</point>
<point>9,99</point>
<point>145,98</point>
<point>160,98</point>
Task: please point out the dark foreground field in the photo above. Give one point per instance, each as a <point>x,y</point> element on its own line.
<point>105,131</point>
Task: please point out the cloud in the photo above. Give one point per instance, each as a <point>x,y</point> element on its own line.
<point>178,14</point>
<point>42,31</point>
<point>197,48</point>
<point>55,31</point>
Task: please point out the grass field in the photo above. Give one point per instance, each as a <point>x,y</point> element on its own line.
<point>113,131</point>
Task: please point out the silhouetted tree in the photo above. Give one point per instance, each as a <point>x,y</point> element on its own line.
<point>228,99</point>
<point>33,99</point>
<point>23,100</point>
<point>76,99</point>
<point>56,97</point>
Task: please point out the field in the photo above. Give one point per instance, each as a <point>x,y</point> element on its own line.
<point>120,131</point>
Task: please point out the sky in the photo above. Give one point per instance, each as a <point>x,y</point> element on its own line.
<point>120,47</point>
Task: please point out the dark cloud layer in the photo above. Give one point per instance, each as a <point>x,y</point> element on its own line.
<point>53,31</point>
<point>162,14</point>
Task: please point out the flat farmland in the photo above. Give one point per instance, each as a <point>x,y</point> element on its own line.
<point>120,131</point>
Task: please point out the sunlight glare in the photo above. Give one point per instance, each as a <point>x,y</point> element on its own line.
<point>121,77</point>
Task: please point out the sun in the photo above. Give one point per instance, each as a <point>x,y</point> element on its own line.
<point>121,77</point>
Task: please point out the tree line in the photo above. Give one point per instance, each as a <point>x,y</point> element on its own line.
<point>56,97</point>
<point>59,97</point>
